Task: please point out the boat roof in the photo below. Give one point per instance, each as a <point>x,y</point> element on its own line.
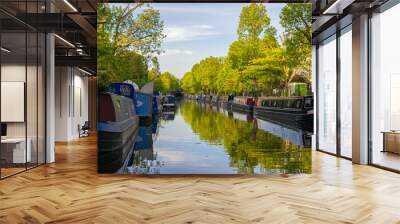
<point>282,97</point>
<point>244,96</point>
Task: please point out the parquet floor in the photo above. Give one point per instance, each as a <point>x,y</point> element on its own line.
<point>70,191</point>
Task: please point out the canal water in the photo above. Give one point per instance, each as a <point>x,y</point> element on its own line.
<point>204,139</point>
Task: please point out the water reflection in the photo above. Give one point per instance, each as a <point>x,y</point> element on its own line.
<point>204,139</point>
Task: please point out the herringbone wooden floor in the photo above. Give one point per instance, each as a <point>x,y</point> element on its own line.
<point>70,191</point>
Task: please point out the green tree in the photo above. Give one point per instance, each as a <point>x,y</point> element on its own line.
<point>140,32</point>
<point>256,61</point>
<point>296,21</point>
<point>253,22</point>
<point>164,82</point>
<point>190,84</point>
<point>128,42</point>
<point>272,71</point>
<point>202,76</point>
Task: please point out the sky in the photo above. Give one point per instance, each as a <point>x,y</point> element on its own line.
<point>197,31</point>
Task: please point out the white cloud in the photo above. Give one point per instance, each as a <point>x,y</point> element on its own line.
<point>170,52</point>
<point>187,33</point>
<point>193,9</point>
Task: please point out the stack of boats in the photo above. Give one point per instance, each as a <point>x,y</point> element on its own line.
<point>123,107</point>
<point>294,111</point>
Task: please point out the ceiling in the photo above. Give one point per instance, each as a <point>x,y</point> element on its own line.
<point>73,21</point>
<point>330,15</point>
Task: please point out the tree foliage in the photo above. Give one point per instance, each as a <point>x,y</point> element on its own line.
<point>296,20</point>
<point>202,76</point>
<point>253,22</point>
<point>128,42</point>
<point>164,82</point>
<point>257,62</point>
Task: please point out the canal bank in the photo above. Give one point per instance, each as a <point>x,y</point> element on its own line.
<point>203,139</point>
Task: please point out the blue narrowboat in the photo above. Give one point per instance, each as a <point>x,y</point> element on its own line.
<point>117,129</point>
<point>143,101</point>
<point>179,94</point>
<point>169,102</point>
<point>144,105</point>
<point>144,98</point>
<point>157,107</point>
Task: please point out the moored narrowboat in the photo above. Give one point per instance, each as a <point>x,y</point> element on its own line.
<point>297,111</point>
<point>215,100</point>
<point>117,129</point>
<point>157,106</point>
<point>142,99</point>
<point>207,98</point>
<point>227,101</point>
<point>179,94</point>
<point>169,103</point>
<point>243,104</point>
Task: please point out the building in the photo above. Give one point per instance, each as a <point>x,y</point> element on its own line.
<point>48,78</point>
<point>357,80</point>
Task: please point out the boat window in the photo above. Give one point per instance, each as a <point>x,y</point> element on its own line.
<point>288,104</point>
<point>170,99</point>
<point>308,103</point>
<point>281,103</point>
<point>291,103</point>
<point>297,104</point>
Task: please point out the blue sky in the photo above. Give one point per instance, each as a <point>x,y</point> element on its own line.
<point>196,31</point>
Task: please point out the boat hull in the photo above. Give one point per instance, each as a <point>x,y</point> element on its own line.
<point>241,107</point>
<point>117,128</point>
<point>297,119</point>
<point>115,141</point>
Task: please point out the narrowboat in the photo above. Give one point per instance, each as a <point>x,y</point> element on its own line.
<point>157,107</point>
<point>297,111</point>
<point>169,103</point>
<point>200,98</point>
<point>179,94</point>
<point>215,100</point>
<point>143,100</point>
<point>243,104</point>
<point>207,98</point>
<point>226,102</point>
<point>117,129</point>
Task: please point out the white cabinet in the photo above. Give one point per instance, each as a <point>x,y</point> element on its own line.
<point>19,155</point>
